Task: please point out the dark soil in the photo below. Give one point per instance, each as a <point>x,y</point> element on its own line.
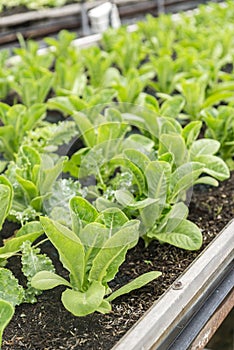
<point>47,325</point>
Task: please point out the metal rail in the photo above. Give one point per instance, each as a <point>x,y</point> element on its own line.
<point>212,312</point>
<point>179,309</point>
<point>38,24</point>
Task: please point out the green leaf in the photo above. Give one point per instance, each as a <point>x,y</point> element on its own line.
<point>135,284</point>
<point>217,97</point>
<point>139,178</point>
<point>111,256</point>
<point>126,199</point>
<point>93,236</point>
<point>104,307</point>
<point>86,129</point>
<point>6,194</point>
<point>157,175</point>
<point>32,262</point>
<point>63,104</point>
<point>139,142</point>
<point>29,228</point>
<point>103,204</point>
<point>183,178</point>
<point>10,290</point>
<point>13,245</point>
<point>137,157</point>
<point>191,131</point>
<point>186,236</point>
<point>82,213</point>
<point>30,189</point>
<point>6,313</point>
<point>82,304</point>
<point>207,180</point>
<point>111,131</point>
<point>174,144</point>
<point>203,147</point>
<point>172,107</point>
<point>112,218</point>
<point>214,166</point>
<point>171,220</point>
<point>49,173</point>
<point>45,280</point>
<point>70,248</point>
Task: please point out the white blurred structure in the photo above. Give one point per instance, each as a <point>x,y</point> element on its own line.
<point>104,16</point>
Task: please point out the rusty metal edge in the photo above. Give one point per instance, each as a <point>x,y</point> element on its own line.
<point>153,328</point>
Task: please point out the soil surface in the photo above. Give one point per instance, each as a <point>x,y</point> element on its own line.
<point>46,325</point>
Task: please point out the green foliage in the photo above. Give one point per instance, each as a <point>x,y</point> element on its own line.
<point>11,294</point>
<point>33,85</point>
<point>10,290</point>
<point>29,232</point>
<point>139,104</point>
<point>47,137</point>
<point>17,122</point>
<point>6,314</point>
<point>32,177</point>
<point>220,126</point>
<point>92,255</point>
<point>6,195</point>
<point>5,75</point>
<point>32,263</point>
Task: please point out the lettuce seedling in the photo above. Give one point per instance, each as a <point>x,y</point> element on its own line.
<point>32,177</point>
<point>32,85</point>
<point>29,57</point>
<point>89,103</point>
<point>17,122</point>
<point>92,253</point>
<point>220,127</point>
<point>47,137</point>
<point>98,67</point>
<point>5,74</point>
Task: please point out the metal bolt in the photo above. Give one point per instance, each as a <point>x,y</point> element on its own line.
<point>177,285</point>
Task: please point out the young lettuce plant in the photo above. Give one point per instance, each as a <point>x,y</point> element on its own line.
<point>32,177</point>
<point>157,187</point>
<point>92,252</point>
<point>197,98</point>
<point>127,51</point>
<point>32,85</point>
<point>17,122</point>
<point>144,188</point>
<point>98,64</point>
<point>220,127</point>
<point>89,102</point>
<point>155,198</point>
<point>168,72</point>
<point>72,80</point>
<point>48,137</point>
<point>29,57</point>
<point>181,144</point>
<point>164,41</point>
<point>5,74</point>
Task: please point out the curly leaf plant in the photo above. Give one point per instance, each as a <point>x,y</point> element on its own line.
<point>11,292</point>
